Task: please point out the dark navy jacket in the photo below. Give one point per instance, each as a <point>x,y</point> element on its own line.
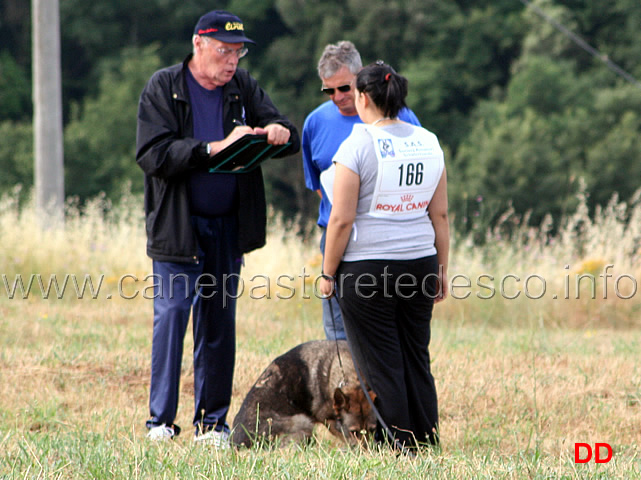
<point>167,153</point>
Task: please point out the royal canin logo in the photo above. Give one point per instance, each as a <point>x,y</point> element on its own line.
<point>407,198</point>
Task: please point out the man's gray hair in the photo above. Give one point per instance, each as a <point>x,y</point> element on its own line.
<point>204,38</point>
<point>336,56</point>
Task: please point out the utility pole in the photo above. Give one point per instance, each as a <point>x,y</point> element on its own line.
<point>47,104</point>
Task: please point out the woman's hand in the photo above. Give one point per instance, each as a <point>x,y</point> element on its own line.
<point>326,286</point>
<point>443,289</point>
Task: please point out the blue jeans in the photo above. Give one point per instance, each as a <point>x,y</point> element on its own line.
<point>209,288</point>
<point>332,318</point>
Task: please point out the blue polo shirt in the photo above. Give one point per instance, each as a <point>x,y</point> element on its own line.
<point>210,194</point>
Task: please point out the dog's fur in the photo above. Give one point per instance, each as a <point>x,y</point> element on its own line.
<point>301,388</point>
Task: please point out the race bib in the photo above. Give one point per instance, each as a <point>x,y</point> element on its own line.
<point>409,169</point>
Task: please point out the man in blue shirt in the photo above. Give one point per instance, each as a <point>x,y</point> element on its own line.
<point>324,130</point>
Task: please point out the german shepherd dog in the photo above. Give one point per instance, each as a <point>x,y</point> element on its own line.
<point>301,388</point>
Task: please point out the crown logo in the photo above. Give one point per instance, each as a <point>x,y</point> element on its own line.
<point>407,198</point>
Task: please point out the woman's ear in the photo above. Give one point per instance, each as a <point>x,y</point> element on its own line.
<point>365,99</point>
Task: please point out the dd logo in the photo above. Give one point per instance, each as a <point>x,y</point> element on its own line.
<point>580,448</point>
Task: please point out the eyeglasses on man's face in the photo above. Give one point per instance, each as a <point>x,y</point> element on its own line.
<point>226,52</point>
<point>331,91</point>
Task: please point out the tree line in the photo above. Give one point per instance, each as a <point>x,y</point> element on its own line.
<point>528,118</point>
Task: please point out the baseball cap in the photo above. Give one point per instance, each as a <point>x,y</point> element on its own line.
<point>222,26</point>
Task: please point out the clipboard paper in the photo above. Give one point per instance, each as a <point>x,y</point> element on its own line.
<point>244,154</point>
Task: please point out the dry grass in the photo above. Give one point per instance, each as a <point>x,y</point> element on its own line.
<point>520,381</point>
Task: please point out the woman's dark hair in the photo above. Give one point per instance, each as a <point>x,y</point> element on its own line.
<point>385,87</point>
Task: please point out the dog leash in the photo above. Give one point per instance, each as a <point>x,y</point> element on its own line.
<point>338,352</point>
<point>388,432</point>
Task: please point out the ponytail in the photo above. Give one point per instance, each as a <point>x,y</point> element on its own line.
<point>385,87</point>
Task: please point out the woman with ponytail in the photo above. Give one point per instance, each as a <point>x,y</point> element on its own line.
<point>387,249</point>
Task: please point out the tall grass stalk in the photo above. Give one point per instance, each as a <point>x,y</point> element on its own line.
<point>520,380</point>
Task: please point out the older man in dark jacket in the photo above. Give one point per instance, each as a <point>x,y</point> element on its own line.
<point>199,223</point>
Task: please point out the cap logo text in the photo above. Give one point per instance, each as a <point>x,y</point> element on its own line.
<point>233,26</point>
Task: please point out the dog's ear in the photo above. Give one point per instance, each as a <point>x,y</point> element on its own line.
<point>341,401</point>
<point>372,395</point>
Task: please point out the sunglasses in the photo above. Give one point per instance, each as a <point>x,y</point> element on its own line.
<point>331,91</point>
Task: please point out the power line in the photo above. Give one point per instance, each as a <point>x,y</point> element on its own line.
<point>583,44</point>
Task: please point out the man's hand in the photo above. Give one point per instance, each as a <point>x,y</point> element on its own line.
<point>276,134</point>
<point>239,132</point>
<point>235,134</point>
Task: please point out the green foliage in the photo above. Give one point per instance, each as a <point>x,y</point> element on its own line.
<point>100,139</point>
<point>509,165</point>
<point>528,149</point>
<point>612,162</point>
<point>545,87</point>
<point>15,94</point>
<point>543,38</point>
<point>523,111</point>
<point>16,155</point>
<point>94,30</point>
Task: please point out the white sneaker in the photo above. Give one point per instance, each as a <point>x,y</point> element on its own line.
<point>161,433</point>
<point>218,439</point>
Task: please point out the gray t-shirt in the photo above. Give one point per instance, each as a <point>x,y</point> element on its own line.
<point>379,237</point>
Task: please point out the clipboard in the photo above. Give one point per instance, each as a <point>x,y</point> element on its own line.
<point>244,155</point>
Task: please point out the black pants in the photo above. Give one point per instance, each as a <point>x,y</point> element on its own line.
<point>387,308</point>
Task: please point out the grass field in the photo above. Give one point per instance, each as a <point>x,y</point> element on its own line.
<point>520,380</point>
